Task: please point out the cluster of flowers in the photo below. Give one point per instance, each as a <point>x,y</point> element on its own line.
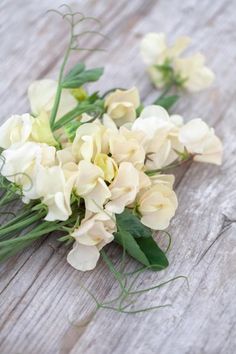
<point>112,162</point>
<point>165,64</point>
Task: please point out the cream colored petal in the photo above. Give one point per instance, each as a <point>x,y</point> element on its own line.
<point>155,111</point>
<point>109,123</point>
<point>193,134</point>
<point>213,151</point>
<point>57,208</point>
<point>16,129</point>
<point>167,180</point>
<point>193,69</point>
<point>152,46</point>
<point>42,93</point>
<point>124,188</point>
<point>87,177</point>
<point>41,130</point>
<point>95,200</point>
<point>130,96</point>
<point>83,257</point>
<point>178,47</point>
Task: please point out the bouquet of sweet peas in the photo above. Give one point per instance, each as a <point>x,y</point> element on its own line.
<point>94,166</point>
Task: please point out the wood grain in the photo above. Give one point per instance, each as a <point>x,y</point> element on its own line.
<point>43,307</point>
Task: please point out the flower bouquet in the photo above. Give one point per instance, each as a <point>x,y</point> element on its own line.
<point>94,166</point>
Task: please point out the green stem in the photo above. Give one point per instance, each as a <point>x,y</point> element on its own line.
<point>164,93</point>
<point>77,111</point>
<point>21,224</point>
<point>59,87</point>
<point>116,274</point>
<point>16,219</point>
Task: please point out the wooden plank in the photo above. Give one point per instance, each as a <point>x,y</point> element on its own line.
<point>42,302</point>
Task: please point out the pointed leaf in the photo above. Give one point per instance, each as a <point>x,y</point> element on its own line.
<point>129,222</point>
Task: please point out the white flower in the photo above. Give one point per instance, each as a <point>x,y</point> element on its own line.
<point>42,93</point>
<point>154,48</point>
<point>200,139</point>
<point>127,146</point>
<point>16,129</point>
<point>41,130</point>
<point>198,76</point>
<point>94,233</point>
<point>161,131</point>
<point>32,166</point>
<point>89,141</point>
<point>124,188</point>
<point>165,65</point>
<point>121,105</point>
<point>157,205</point>
<point>90,185</point>
<point>54,186</point>
<point>21,161</point>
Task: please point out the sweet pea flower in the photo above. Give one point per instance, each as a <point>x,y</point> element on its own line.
<point>157,205</point>
<point>55,191</point>
<point>21,162</point>
<point>200,139</point>
<point>89,141</point>
<point>126,146</point>
<point>198,76</point>
<point>161,132</point>
<point>90,185</point>
<point>155,50</point>
<point>124,188</point>
<point>95,231</point>
<point>16,129</point>
<point>166,67</point>
<point>42,94</point>
<point>122,104</point>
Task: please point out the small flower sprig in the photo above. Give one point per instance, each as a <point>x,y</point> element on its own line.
<point>169,70</point>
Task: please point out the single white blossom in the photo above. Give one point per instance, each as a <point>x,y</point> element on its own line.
<point>198,76</point>
<point>89,141</point>
<point>90,185</point>
<point>122,104</point>
<point>126,146</point>
<point>16,129</point>
<point>95,231</point>
<point>55,191</point>
<point>21,162</point>
<point>124,188</point>
<point>157,205</point>
<point>200,139</point>
<point>161,131</point>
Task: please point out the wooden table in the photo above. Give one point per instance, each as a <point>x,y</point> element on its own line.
<point>43,307</point>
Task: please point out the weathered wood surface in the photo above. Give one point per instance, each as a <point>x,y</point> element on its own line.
<point>42,303</point>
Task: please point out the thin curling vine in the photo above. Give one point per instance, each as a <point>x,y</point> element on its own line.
<point>78,75</point>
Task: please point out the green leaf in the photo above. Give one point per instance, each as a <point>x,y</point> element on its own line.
<point>82,78</point>
<point>153,252</point>
<point>129,222</point>
<point>77,69</point>
<point>144,250</point>
<point>126,240</point>
<point>167,102</point>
